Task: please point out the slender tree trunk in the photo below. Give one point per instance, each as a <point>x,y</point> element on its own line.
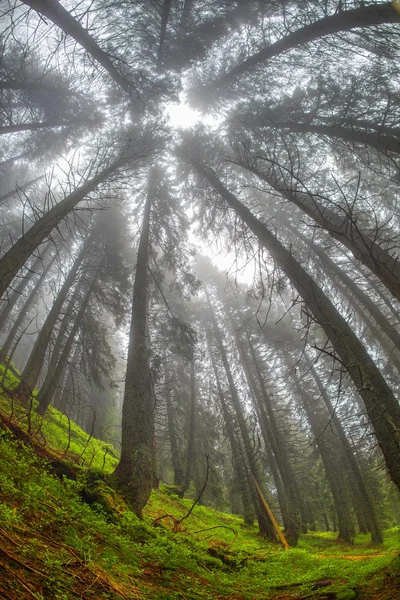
<point>277,118</point>
<point>21,188</point>
<point>382,407</point>
<point>18,254</point>
<point>366,499</point>
<point>360,124</point>
<point>19,290</point>
<point>191,432</point>
<point>63,399</point>
<point>264,522</point>
<point>365,16</point>
<point>172,433</point>
<point>288,476</point>
<point>393,359</point>
<point>31,126</point>
<point>7,362</point>
<point>344,229</point>
<point>186,10</point>
<point>163,31</point>
<point>269,439</point>
<point>134,471</point>
<point>332,461</point>
<point>382,294</point>
<point>379,141</point>
<point>24,310</point>
<point>249,503</point>
<point>46,392</point>
<point>36,359</point>
<point>332,269</point>
<point>47,386</point>
<point>22,155</point>
<point>60,16</point>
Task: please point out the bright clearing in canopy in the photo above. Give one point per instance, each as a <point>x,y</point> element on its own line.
<point>268,133</point>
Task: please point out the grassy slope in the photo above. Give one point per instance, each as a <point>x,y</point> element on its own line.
<point>55,546</point>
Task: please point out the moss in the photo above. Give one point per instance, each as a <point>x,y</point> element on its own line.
<point>346,594</point>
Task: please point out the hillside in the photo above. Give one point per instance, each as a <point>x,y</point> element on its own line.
<point>66,534</point>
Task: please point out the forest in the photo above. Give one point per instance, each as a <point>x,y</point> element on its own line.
<point>200,299</point>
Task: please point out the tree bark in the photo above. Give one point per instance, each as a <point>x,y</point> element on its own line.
<point>172,433</point>
<point>18,254</point>
<point>379,141</point>
<point>62,400</point>
<point>22,188</point>
<point>365,301</point>
<point>344,229</point>
<point>265,524</point>
<point>47,385</point>
<point>60,16</point>
<point>19,290</point>
<point>249,503</point>
<point>365,16</point>
<point>269,439</point>
<point>163,30</point>
<point>367,501</point>
<point>287,474</point>
<point>134,471</point>
<point>24,310</point>
<point>46,393</point>
<point>332,460</point>
<point>382,407</point>
<point>36,359</point>
<point>31,126</point>
<point>191,432</point>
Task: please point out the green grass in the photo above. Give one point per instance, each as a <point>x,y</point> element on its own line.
<point>58,433</point>
<point>57,546</point>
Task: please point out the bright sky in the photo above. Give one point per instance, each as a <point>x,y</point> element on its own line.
<point>181,116</point>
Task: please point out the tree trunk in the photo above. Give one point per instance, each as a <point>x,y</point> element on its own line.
<point>366,499</point>
<point>172,433</point>
<point>344,229</point>
<point>21,188</point>
<point>18,254</point>
<point>269,440</point>
<point>163,30</point>
<point>60,16</point>
<point>47,386</point>
<point>288,476</point>
<point>382,407</point>
<point>19,290</point>
<point>191,432</point>
<point>365,301</point>
<point>264,522</point>
<point>46,392</point>
<point>31,126</point>
<point>379,141</point>
<point>134,471</point>
<point>382,294</point>
<point>331,458</point>
<point>63,399</point>
<point>24,311</point>
<point>249,504</point>
<point>364,16</point>
<point>36,359</point>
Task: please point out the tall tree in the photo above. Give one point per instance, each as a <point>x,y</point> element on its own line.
<point>134,472</point>
<point>381,404</point>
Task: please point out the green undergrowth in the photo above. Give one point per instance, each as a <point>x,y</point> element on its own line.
<point>73,537</point>
<point>57,545</point>
<point>56,431</point>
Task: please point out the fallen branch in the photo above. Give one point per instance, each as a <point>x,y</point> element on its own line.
<point>217,527</point>
<point>198,497</point>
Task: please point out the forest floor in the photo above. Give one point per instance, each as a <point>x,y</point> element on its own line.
<point>66,534</point>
